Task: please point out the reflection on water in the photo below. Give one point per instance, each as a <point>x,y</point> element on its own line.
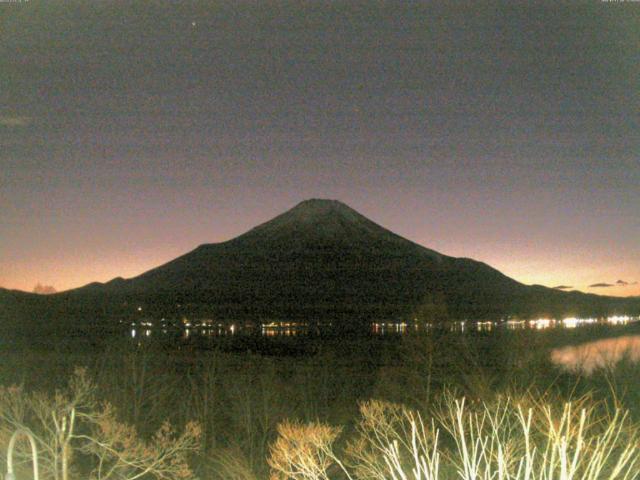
<point>485,326</point>
<point>383,328</point>
<point>590,356</point>
<point>209,328</point>
<point>284,329</point>
<point>283,332</point>
<point>515,324</point>
<point>541,323</point>
<point>567,322</point>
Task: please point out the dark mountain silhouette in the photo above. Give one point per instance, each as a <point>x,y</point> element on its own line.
<point>321,261</point>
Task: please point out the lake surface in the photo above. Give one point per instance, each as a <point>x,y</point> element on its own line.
<point>604,353</point>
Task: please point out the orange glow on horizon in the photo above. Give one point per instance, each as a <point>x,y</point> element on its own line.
<point>77,274</point>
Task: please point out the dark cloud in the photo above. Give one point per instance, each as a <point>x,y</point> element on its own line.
<point>44,289</point>
<point>563,287</point>
<point>619,283</point>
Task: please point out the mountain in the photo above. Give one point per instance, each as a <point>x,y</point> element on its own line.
<point>322,260</point>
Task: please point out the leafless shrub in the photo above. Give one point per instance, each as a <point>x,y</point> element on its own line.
<point>393,442</point>
<point>71,422</point>
<point>304,451</point>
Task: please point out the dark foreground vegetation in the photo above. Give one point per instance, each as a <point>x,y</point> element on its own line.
<point>412,407</point>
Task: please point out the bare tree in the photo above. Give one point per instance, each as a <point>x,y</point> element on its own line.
<point>71,422</point>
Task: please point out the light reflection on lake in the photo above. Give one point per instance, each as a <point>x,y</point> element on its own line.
<point>208,328</point>
<point>590,356</point>
<point>567,322</point>
<point>383,328</point>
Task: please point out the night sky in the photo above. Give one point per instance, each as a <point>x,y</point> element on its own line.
<point>131,132</point>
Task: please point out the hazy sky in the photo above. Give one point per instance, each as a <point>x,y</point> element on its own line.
<point>131,132</point>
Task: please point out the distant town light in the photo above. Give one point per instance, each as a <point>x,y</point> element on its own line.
<point>618,319</point>
<point>540,323</point>
<point>571,322</point>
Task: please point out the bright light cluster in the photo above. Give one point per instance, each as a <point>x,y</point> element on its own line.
<point>573,322</point>
<point>619,319</point>
<point>541,323</point>
<point>568,322</point>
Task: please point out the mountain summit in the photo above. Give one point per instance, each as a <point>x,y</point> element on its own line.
<point>314,209</point>
<point>317,222</point>
<point>316,217</point>
<point>322,260</point>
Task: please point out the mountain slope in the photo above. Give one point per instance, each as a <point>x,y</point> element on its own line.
<point>323,260</point>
